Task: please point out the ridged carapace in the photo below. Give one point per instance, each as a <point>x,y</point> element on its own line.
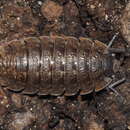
<point>55,65</point>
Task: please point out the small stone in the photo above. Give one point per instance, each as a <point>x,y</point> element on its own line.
<point>106,17</point>
<point>95,126</point>
<point>39,2</point>
<point>18,18</point>
<point>51,10</point>
<point>100,5</point>
<point>92,6</point>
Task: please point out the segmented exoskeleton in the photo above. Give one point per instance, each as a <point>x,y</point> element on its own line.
<point>55,65</point>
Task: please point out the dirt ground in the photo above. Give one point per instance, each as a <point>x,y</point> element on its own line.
<point>96,19</point>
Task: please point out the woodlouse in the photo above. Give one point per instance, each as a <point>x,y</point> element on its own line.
<point>55,65</point>
<point>125,23</point>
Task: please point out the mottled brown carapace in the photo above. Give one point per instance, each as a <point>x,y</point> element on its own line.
<point>54,65</point>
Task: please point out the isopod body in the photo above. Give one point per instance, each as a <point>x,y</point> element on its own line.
<point>54,65</point>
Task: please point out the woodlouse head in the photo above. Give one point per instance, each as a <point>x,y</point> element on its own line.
<point>114,63</point>
<point>120,62</point>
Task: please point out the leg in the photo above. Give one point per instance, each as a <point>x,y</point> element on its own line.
<point>111,86</point>
<point>125,50</point>
<point>117,50</point>
<point>113,50</point>
<point>112,40</point>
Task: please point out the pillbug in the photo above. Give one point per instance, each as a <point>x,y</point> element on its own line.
<point>55,65</point>
<point>125,23</point>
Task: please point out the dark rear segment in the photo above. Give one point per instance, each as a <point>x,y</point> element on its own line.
<point>54,65</point>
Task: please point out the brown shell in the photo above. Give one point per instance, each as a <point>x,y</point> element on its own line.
<point>54,65</point>
<point>125,23</point>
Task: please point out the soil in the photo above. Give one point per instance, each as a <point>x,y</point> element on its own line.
<point>96,19</point>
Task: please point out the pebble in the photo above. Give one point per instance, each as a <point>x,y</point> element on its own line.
<point>95,126</point>
<point>51,10</point>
